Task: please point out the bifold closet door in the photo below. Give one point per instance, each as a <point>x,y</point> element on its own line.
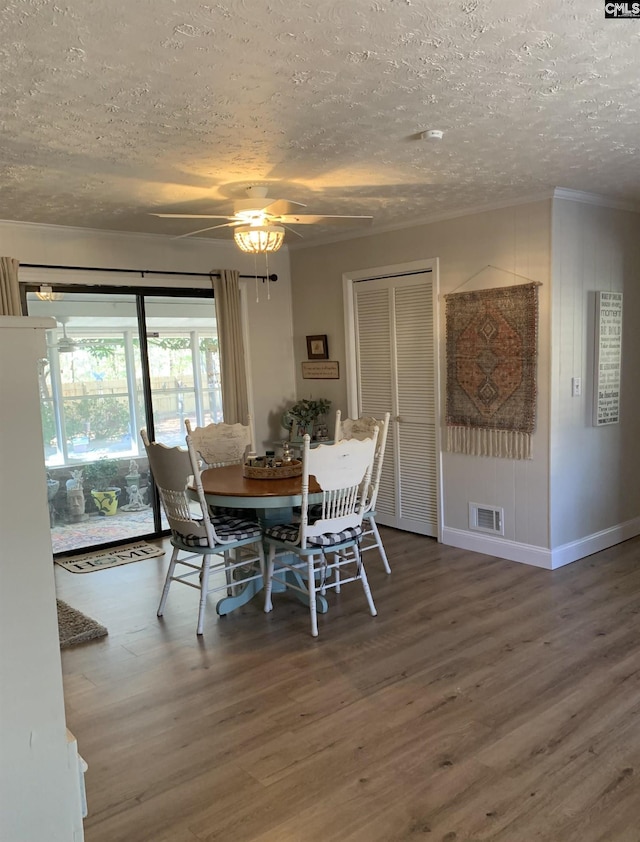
<point>395,359</point>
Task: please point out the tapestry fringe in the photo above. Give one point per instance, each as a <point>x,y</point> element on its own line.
<point>506,444</point>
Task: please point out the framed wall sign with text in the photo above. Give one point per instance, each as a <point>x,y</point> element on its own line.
<point>321,370</point>
<point>608,359</point>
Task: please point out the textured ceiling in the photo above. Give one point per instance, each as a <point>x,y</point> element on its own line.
<point>112,109</point>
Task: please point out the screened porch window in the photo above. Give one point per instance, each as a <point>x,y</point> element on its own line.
<point>91,389</point>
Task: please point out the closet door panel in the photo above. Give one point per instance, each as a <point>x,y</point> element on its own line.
<point>395,368</point>
<point>375,380</point>
<point>415,417</point>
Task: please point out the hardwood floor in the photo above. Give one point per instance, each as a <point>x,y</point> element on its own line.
<point>488,700</point>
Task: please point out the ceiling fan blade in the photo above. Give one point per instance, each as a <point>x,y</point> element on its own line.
<point>293,231</point>
<point>211,228</point>
<point>193,215</point>
<point>312,219</point>
<point>282,206</point>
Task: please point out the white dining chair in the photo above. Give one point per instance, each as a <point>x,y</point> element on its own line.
<point>219,445</point>
<point>325,547</point>
<point>222,444</point>
<point>360,428</point>
<point>172,469</point>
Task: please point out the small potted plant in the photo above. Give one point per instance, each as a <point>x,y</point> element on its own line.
<point>304,416</point>
<point>101,477</point>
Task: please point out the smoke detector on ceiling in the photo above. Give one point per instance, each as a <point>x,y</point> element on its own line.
<point>432,134</point>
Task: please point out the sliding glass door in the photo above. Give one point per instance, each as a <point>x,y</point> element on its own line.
<point>184,366</point>
<point>117,362</point>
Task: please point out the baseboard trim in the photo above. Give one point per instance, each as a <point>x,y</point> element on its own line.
<point>594,543</point>
<point>540,556</point>
<point>500,547</point>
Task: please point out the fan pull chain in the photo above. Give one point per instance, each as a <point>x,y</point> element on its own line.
<point>255,272</point>
<point>266,256</point>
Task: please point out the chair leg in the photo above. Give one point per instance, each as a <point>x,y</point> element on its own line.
<point>312,595</point>
<point>204,589</point>
<point>268,605</point>
<point>325,572</point>
<point>338,558</point>
<point>262,562</point>
<point>167,581</point>
<point>229,556</point>
<point>365,586</point>
<point>385,560</point>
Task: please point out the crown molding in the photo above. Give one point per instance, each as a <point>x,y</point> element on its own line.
<point>429,219</point>
<point>75,229</point>
<point>564,193</point>
<point>555,193</point>
<point>595,199</point>
<point>134,235</point>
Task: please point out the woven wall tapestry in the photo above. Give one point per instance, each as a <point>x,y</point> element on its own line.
<point>492,339</point>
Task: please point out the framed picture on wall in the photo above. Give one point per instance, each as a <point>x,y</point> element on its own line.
<point>317,347</point>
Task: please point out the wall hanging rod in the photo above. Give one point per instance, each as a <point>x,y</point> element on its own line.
<point>143,272</point>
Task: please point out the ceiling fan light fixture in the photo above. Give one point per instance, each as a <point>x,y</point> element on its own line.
<point>46,293</point>
<point>258,239</point>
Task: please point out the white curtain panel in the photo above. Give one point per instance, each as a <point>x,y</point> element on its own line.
<point>9,290</point>
<point>235,401</point>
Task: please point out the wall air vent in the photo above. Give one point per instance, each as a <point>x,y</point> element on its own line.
<point>486,518</point>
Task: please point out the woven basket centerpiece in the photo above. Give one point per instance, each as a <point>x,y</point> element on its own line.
<point>289,469</point>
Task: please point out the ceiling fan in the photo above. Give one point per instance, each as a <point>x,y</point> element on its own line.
<point>65,344</point>
<point>259,222</point>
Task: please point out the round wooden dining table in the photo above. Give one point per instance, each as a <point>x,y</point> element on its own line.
<point>273,501</point>
<point>228,486</point>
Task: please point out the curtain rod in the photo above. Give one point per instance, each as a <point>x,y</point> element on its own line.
<point>143,272</point>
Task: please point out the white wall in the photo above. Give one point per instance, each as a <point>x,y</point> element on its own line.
<point>515,239</point>
<point>270,321</point>
<point>39,794</point>
<point>595,492</point>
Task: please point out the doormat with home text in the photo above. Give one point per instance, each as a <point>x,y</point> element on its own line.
<point>88,562</point>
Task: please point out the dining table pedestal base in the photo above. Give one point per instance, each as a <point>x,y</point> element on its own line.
<point>229,603</point>
<point>273,501</point>
<point>272,517</point>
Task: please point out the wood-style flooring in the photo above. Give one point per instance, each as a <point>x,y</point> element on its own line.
<point>488,700</point>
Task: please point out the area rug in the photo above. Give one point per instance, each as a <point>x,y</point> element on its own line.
<point>492,338</point>
<point>88,562</point>
<point>124,526</point>
<point>75,627</point>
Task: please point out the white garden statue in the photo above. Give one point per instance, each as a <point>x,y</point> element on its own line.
<point>75,497</point>
<point>136,499</point>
